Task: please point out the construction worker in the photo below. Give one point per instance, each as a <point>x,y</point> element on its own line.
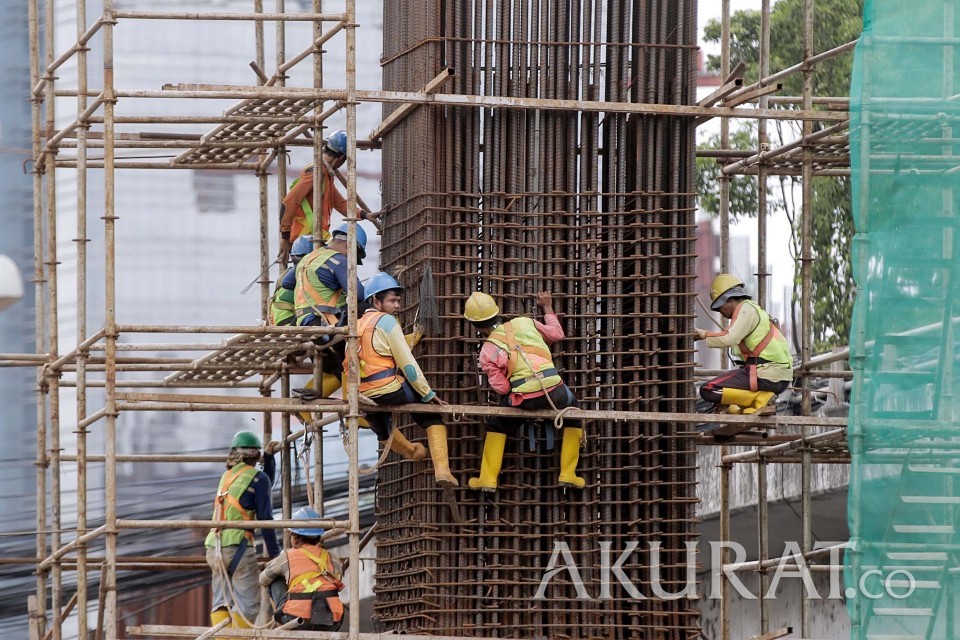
<point>321,282</point>
<point>517,362</point>
<point>297,207</point>
<point>304,581</point>
<point>243,494</point>
<point>755,341</point>
<point>390,375</point>
<point>282,308</point>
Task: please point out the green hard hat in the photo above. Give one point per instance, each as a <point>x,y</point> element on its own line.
<point>246,440</point>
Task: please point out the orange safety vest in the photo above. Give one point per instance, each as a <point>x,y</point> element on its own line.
<point>226,505</point>
<point>520,334</point>
<point>311,571</point>
<point>376,369</point>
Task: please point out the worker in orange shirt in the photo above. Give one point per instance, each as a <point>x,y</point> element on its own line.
<point>297,207</point>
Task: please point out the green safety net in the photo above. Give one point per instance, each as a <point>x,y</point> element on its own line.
<point>903,568</point>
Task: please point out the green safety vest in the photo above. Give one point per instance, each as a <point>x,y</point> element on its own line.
<point>226,505</point>
<point>312,297</point>
<point>764,342</point>
<point>520,334</point>
<point>282,309</point>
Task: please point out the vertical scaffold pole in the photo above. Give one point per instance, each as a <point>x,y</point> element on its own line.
<point>353,366</point>
<point>109,573</point>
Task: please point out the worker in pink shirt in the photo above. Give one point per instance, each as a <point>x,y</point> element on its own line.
<point>517,362</point>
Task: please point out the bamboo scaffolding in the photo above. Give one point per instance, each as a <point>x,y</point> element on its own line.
<point>545,104</point>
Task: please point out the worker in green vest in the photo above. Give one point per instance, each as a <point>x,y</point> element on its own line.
<point>243,494</point>
<point>755,342</point>
<point>282,308</point>
<point>517,362</point>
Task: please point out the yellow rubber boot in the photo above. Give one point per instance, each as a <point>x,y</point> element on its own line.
<point>404,447</point>
<point>218,616</point>
<point>493,446</point>
<point>737,399</point>
<point>239,623</point>
<point>329,384</point>
<point>437,441</point>
<point>569,456</point>
<point>760,402</point>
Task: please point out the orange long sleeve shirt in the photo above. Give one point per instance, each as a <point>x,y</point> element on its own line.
<point>294,222</point>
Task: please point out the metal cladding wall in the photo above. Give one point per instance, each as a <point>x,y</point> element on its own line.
<point>599,209</point>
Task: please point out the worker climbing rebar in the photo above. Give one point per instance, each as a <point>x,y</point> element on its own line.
<point>304,581</point>
<point>755,342</point>
<point>243,494</point>
<point>390,375</point>
<point>517,362</point>
<point>297,208</point>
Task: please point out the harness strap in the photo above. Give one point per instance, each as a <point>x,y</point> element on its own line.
<point>539,375</point>
<point>514,347</point>
<point>386,373</point>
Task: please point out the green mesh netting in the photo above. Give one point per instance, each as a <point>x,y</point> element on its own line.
<point>902,573</point>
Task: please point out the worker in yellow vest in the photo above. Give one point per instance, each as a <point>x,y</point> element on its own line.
<point>755,341</point>
<point>304,581</point>
<point>296,211</point>
<point>243,494</point>
<point>282,307</point>
<point>517,362</point>
<point>320,296</point>
<point>390,375</point>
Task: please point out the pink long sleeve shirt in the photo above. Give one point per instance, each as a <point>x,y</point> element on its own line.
<point>494,360</point>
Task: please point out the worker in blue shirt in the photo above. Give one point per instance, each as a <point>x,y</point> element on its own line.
<point>243,494</point>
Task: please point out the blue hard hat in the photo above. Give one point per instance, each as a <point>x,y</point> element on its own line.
<point>307,513</point>
<point>379,283</point>
<point>301,247</point>
<point>361,240</point>
<point>337,142</point>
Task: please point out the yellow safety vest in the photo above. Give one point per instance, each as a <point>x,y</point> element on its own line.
<point>226,505</point>
<point>520,334</point>
<point>312,297</point>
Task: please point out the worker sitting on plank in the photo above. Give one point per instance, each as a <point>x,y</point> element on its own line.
<point>755,341</point>
<point>304,581</point>
<point>243,494</point>
<point>282,308</point>
<point>516,359</point>
<point>390,375</point>
<point>297,207</point>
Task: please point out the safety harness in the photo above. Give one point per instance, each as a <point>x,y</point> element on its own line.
<point>751,358</point>
<point>381,370</point>
<point>515,351</point>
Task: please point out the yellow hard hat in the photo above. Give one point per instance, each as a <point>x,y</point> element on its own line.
<point>725,283</point>
<point>480,307</point>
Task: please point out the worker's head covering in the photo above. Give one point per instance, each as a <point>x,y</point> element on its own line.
<point>307,513</point>
<point>341,233</point>
<point>726,287</point>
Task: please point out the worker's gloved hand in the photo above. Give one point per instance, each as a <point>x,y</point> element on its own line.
<point>701,333</point>
<point>283,256</point>
<point>272,447</point>
<point>437,400</point>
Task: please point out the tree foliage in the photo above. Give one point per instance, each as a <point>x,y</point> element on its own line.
<point>835,23</point>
